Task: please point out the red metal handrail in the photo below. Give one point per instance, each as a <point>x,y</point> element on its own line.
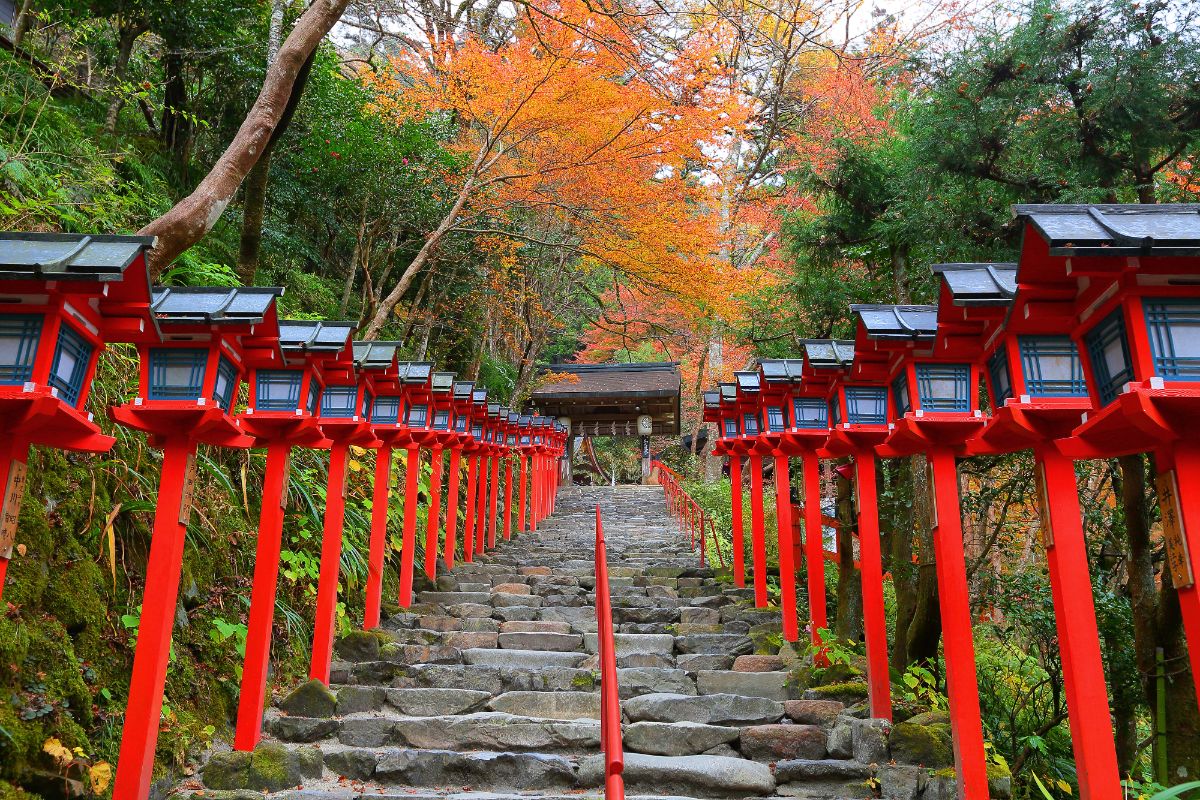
<point>610,699</point>
<point>692,517</point>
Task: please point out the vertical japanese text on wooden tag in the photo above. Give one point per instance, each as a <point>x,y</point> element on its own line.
<point>1046,530</point>
<point>10,507</point>
<point>189,490</point>
<point>1179,560</point>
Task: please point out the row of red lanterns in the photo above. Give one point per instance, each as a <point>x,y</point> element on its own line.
<point>1088,347</point>
<point>64,297</point>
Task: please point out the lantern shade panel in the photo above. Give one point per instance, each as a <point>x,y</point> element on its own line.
<point>177,373</point>
<point>1174,329</point>
<point>277,389</point>
<point>339,402</point>
<point>1051,366</point>
<point>901,398</point>
<point>866,405</point>
<point>810,412</point>
<point>18,345</point>
<point>69,369</point>
<point>776,419</point>
<point>944,387</point>
<point>387,410</point>
<point>1000,376</point>
<point>225,385</point>
<point>1108,351</point>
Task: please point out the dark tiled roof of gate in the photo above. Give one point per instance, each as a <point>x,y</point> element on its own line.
<point>654,379</point>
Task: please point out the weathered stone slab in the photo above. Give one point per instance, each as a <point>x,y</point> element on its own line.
<point>722,643</point>
<point>710,776</point>
<point>813,712</point>
<point>712,709</point>
<point>781,742</point>
<point>675,739</point>
<point>490,730</point>
<point>772,685</point>
<point>560,642</point>
<point>549,705</point>
<point>432,702</point>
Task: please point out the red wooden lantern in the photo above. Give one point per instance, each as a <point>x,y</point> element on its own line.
<point>476,474</point>
<point>193,355</point>
<point>344,416</point>
<point>776,377</point>
<point>524,450</point>
<point>1126,278</point>
<point>934,387</point>
<point>405,422</point>
<point>510,451</point>
<point>439,435</point>
<point>461,426</point>
<point>725,412</point>
<point>494,437</point>
<point>1038,394</point>
<point>52,330</point>
<point>387,381</point>
<point>285,389</point>
<point>748,418</point>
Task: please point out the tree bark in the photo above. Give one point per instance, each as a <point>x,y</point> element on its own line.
<point>21,23</point>
<point>194,216</point>
<point>254,198</point>
<point>925,628</point>
<point>898,546</point>
<point>127,36</point>
<point>849,622</point>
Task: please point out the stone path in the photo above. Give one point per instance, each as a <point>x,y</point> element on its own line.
<point>487,688</point>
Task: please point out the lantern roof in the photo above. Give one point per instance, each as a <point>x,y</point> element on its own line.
<point>374,355</point>
<point>416,372</point>
<point>493,409</point>
<point>525,420</point>
<point>443,382</point>
<point>781,370</point>
<point>69,256</point>
<point>1115,229</point>
<point>897,322</point>
<point>513,418</point>
<point>463,390</point>
<point>203,305</point>
<point>712,398</point>
<point>479,396</point>
<point>747,380</point>
<point>297,336</point>
<point>990,283</point>
<point>728,391</point>
<point>837,353</point>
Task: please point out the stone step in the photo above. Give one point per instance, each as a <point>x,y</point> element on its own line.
<point>522,658</point>
<point>562,642</point>
<point>395,766</point>
<point>479,730</point>
<point>706,775</point>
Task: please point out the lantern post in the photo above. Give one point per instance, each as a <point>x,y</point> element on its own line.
<point>462,437</point>
<point>524,443</point>
<point>55,317</point>
<point>418,391</point>
<point>484,441</point>
<point>440,435</point>
<point>1129,285</point>
<point>775,379</point>
<point>497,420</point>
<point>478,414</point>
<point>192,358</point>
<point>858,416</point>
<point>730,445</point>
<point>285,384</point>
<point>749,416</point>
<point>510,444</point>
<point>934,394</point>
<point>347,400</point>
<point>1038,395</point>
<point>392,382</point>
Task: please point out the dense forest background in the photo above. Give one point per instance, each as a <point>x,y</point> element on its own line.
<point>505,185</point>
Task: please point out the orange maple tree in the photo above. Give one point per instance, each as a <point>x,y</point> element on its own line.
<point>571,121</point>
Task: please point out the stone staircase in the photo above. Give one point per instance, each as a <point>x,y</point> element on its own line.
<point>488,687</point>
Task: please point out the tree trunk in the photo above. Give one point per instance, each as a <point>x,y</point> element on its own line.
<point>21,23</point>
<point>849,623</point>
<point>127,36</point>
<point>899,550</point>
<point>194,216</point>
<point>355,257</point>
<point>925,628</point>
<point>254,198</point>
<point>175,128</point>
